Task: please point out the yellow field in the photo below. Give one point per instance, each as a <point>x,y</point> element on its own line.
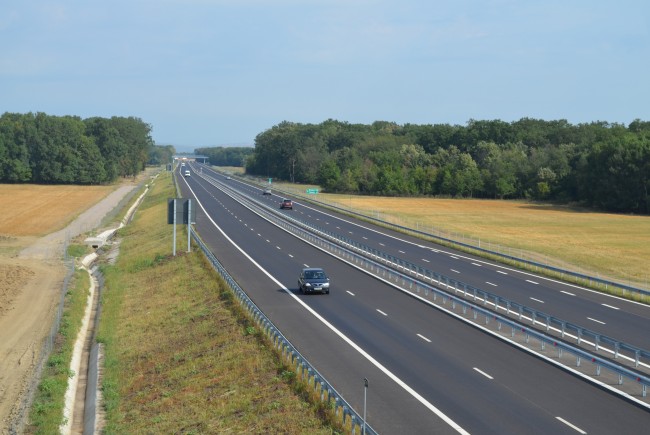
<point>35,210</point>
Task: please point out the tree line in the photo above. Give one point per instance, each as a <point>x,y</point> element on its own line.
<point>46,149</point>
<point>598,164</point>
<point>226,156</point>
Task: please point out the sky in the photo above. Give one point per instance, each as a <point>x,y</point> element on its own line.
<point>219,72</point>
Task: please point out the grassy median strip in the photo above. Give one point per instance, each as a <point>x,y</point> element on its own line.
<point>180,357</point>
<point>46,414</point>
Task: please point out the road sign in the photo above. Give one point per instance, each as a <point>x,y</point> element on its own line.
<point>311,190</point>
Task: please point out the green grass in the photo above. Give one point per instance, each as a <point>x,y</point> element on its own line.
<point>46,414</point>
<point>180,355</point>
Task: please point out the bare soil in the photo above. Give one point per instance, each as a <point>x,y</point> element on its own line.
<point>32,273</point>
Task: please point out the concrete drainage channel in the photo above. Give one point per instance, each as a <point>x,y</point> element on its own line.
<point>82,411</point>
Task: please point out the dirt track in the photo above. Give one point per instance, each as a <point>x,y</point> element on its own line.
<point>30,290</point>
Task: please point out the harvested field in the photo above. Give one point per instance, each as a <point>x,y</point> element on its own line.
<point>36,210</point>
<point>606,244</point>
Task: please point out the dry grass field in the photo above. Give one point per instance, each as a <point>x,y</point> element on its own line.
<point>35,210</point>
<point>612,245</point>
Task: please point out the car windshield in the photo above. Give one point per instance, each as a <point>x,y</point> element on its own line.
<point>314,274</point>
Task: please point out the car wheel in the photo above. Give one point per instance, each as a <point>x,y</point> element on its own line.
<point>327,292</point>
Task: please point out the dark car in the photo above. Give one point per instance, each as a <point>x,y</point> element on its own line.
<point>313,279</point>
<point>286,203</point>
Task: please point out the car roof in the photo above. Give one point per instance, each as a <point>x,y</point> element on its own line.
<point>314,269</point>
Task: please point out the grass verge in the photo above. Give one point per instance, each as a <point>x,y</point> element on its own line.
<point>46,414</point>
<point>180,356</point>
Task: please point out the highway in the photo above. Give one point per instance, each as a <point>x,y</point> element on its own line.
<point>616,317</point>
<point>428,372</point>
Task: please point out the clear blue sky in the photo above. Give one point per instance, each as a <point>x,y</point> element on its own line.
<point>214,72</point>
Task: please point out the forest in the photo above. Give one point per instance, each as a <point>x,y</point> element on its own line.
<point>226,156</point>
<point>46,149</point>
<point>599,164</point>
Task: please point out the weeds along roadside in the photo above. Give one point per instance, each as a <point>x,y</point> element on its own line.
<point>46,413</point>
<point>180,355</point>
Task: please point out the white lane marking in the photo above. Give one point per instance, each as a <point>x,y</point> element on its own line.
<point>268,241</point>
<point>425,260</point>
<point>348,291</point>
<point>381,244</point>
<point>567,293</point>
<point>350,232</point>
<point>277,247</point>
<point>424,338</point>
<point>259,234</point>
<point>338,228</point>
<point>245,225</point>
<point>483,373</point>
<point>455,258</point>
<point>401,252</point>
<point>381,312</point>
<point>476,264</point>
<point>488,282</point>
<point>541,302</point>
<point>365,238</point>
<point>610,306</point>
<point>532,282</point>
<point>434,250</point>
<point>290,255</point>
<point>502,272</point>
<point>597,321</point>
<point>454,270</point>
<point>306,265</point>
<point>572,426</point>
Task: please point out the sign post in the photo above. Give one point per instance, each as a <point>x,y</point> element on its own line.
<point>189,222</point>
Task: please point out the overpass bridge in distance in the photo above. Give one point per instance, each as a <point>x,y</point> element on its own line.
<point>191,157</point>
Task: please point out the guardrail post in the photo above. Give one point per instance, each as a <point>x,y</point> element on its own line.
<point>637,356</point>
<point>579,335</point>
<point>597,341</point>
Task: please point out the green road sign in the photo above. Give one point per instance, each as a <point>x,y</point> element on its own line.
<point>311,190</point>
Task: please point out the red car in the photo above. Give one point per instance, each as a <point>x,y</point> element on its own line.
<point>286,203</point>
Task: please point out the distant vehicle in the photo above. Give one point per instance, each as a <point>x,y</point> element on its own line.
<point>266,192</point>
<point>187,173</point>
<point>286,203</point>
<point>228,178</point>
<point>182,163</point>
<point>313,279</point>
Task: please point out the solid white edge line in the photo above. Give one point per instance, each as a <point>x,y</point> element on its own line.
<point>483,373</point>
<point>424,338</point>
<point>572,426</point>
<point>351,343</point>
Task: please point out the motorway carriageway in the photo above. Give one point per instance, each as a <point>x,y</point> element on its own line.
<point>428,372</point>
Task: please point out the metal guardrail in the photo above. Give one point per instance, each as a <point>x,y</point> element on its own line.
<point>304,368</point>
<point>498,302</point>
